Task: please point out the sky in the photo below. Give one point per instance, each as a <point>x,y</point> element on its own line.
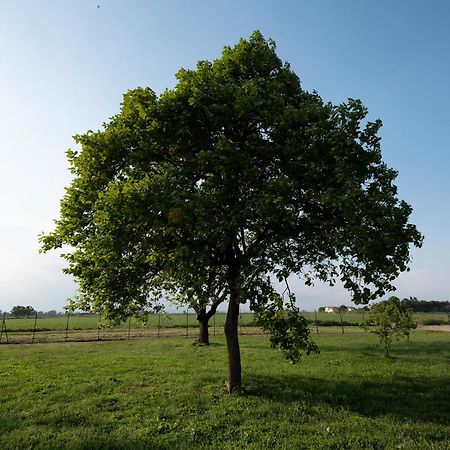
<point>66,64</point>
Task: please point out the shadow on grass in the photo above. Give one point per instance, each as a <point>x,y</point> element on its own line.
<point>197,344</point>
<point>424,399</point>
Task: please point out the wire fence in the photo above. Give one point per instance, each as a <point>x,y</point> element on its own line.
<point>90,327</point>
<point>81,327</point>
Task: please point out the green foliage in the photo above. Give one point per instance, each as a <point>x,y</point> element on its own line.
<point>235,174</point>
<point>288,328</point>
<point>426,305</point>
<point>22,311</point>
<point>392,319</point>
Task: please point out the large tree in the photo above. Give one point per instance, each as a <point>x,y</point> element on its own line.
<point>22,311</point>
<point>213,189</point>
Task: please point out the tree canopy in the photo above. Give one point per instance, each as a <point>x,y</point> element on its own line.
<point>426,305</point>
<point>22,311</point>
<point>235,176</point>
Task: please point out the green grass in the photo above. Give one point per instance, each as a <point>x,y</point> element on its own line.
<point>168,393</point>
<point>86,328</point>
<point>90,328</point>
<point>358,317</point>
<point>80,322</point>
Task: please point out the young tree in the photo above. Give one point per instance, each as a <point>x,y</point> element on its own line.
<point>235,176</point>
<point>392,319</point>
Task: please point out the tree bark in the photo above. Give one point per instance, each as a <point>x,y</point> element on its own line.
<point>231,323</point>
<point>232,337</point>
<point>203,319</point>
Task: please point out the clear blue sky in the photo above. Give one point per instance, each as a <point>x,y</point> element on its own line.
<point>66,64</point>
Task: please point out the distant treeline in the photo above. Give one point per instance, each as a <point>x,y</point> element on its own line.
<point>29,311</point>
<point>426,305</point>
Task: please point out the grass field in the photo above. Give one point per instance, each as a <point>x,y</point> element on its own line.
<point>168,394</point>
<point>90,328</point>
<point>80,322</point>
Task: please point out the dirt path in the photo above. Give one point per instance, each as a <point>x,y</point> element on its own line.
<point>436,327</point>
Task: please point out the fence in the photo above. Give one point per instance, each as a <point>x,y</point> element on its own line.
<point>79,327</point>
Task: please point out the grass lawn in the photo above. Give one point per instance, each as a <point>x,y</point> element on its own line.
<point>168,394</point>
<point>81,322</point>
<point>84,322</point>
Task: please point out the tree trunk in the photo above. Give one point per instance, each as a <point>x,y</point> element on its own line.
<point>231,323</point>
<point>232,337</point>
<point>203,336</point>
<point>203,317</point>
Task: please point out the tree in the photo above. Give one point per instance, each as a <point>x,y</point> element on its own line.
<point>426,306</point>
<point>392,319</point>
<point>214,188</point>
<point>22,311</point>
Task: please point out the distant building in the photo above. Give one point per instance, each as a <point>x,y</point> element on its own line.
<point>331,309</point>
<point>351,309</point>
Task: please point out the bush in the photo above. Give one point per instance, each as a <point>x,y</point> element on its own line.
<point>435,322</point>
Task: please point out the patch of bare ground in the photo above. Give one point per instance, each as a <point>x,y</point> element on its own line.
<point>436,327</point>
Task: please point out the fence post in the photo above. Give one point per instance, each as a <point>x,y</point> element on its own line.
<point>159,324</point>
<point>342,323</point>
<point>129,327</point>
<point>365,328</point>
<point>242,325</point>
<point>187,322</point>
<point>4,329</point>
<point>34,328</point>
<point>214,324</point>
<point>67,325</point>
<point>98,326</point>
<point>317,325</point>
